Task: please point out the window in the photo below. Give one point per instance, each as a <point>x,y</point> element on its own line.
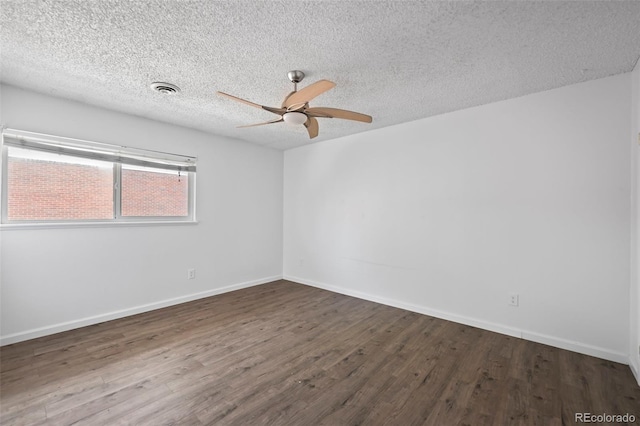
<point>49,179</point>
<point>148,191</point>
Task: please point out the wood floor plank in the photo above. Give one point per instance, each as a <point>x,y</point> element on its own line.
<point>287,354</point>
<point>118,407</point>
<point>79,407</point>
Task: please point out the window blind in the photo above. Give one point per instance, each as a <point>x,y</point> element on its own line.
<point>98,151</point>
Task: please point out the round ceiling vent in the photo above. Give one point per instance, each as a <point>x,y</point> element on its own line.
<point>166,88</point>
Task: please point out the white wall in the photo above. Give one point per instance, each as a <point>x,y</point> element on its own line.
<point>448,215</point>
<point>634,336</point>
<point>56,279</point>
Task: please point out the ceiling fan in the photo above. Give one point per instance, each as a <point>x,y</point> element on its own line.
<point>295,108</point>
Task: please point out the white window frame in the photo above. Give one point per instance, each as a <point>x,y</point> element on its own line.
<point>115,154</point>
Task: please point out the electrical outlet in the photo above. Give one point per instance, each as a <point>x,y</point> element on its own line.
<point>514,299</point>
<point>191,274</point>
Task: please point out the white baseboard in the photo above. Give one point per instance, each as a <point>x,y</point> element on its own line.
<point>83,322</point>
<point>474,322</point>
<point>635,368</point>
<point>574,346</point>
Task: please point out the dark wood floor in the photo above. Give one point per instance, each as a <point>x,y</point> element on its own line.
<point>288,354</point>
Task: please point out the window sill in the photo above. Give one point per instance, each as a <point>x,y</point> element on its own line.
<point>62,225</point>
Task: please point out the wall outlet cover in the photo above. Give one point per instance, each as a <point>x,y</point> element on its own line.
<point>514,299</point>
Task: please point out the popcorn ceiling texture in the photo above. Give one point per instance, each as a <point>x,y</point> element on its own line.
<point>395,60</point>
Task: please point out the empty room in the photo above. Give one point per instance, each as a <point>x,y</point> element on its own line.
<point>319,212</point>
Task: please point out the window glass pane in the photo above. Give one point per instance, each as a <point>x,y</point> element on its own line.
<point>148,191</point>
<point>45,186</point>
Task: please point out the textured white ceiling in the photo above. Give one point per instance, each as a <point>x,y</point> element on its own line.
<point>395,60</point>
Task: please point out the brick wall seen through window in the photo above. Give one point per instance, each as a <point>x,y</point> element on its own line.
<point>49,190</point>
<point>154,193</point>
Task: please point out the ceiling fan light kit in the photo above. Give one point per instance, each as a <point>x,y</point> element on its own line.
<point>294,118</point>
<point>295,108</point>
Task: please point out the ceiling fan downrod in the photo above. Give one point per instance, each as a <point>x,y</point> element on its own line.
<point>296,76</point>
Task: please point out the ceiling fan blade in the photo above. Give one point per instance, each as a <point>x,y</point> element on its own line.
<point>338,113</point>
<point>305,94</point>
<point>261,124</point>
<point>287,97</point>
<point>312,127</point>
<point>278,111</point>
<point>226,95</point>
